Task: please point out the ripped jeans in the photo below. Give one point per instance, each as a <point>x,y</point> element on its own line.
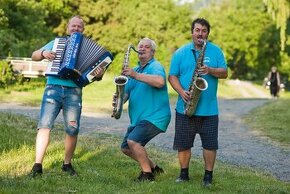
<point>67,99</point>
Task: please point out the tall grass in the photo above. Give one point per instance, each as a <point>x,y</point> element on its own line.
<point>102,168</point>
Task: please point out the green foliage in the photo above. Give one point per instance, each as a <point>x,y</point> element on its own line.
<point>7,76</point>
<point>116,24</point>
<point>24,27</point>
<point>280,14</point>
<point>243,29</point>
<point>247,36</point>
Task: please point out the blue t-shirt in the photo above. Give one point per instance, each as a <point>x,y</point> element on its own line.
<point>57,80</point>
<point>147,102</point>
<point>183,64</point>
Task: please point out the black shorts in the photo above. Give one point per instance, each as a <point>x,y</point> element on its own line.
<point>186,129</point>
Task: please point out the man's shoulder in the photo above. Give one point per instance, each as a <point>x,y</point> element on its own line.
<point>185,47</point>
<point>156,65</point>
<point>49,45</point>
<point>213,46</point>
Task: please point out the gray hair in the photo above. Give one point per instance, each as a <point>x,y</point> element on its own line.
<point>152,42</point>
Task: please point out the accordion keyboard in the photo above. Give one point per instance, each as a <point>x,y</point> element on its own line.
<point>77,58</point>
<point>59,48</point>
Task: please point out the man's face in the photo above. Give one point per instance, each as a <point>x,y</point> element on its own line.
<point>199,34</point>
<point>144,47</point>
<point>75,25</point>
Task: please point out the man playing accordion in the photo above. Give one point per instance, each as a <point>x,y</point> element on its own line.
<point>59,94</point>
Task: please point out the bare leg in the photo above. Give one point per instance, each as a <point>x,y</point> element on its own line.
<point>184,158</point>
<point>129,153</point>
<point>209,159</point>
<point>70,145</point>
<point>42,141</point>
<point>138,153</point>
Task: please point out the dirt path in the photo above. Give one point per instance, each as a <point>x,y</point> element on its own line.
<point>238,145</point>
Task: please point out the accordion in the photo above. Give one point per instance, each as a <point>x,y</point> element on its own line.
<point>77,58</point>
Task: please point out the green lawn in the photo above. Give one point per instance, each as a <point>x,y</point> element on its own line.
<point>102,168</point>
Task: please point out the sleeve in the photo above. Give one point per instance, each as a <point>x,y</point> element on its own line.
<point>48,46</point>
<point>174,65</point>
<point>157,69</point>
<point>221,60</point>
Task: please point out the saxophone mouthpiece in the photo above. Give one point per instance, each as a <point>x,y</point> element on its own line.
<point>201,41</point>
<point>138,52</point>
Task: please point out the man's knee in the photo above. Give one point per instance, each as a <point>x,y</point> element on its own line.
<point>125,150</point>
<point>72,128</point>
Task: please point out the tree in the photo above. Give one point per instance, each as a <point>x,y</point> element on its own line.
<point>246,34</point>
<point>280,11</point>
<point>24,26</point>
<point>116,24</point>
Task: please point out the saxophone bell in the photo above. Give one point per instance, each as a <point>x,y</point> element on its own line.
<point>121,80</point>
<point>200,83</point>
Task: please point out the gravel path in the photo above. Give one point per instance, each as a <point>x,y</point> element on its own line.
<point>237,144</point>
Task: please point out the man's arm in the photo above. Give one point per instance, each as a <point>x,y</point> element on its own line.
<point>37,55</point>
<point>221,73</point>
<point>153,80</point>
<point>218,72</point>
<point>174,82</point>
<point>41,54</point>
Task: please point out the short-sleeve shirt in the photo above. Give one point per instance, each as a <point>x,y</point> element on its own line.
<point>183,64</point>
<point>57,80</point>
<point>147,102</point>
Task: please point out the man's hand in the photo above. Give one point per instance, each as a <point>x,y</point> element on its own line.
<point>98,73</point>
<point>49,55</point>
<point>129,72</point>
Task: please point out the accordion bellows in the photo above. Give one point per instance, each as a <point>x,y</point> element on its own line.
<point>77,58</point>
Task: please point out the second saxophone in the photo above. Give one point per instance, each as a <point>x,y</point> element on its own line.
<point>197,85</point>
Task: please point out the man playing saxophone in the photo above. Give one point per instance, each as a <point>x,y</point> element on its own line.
<point>204,120</point>
<point>149,109</point>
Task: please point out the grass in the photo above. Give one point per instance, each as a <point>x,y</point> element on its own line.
<point>103,168</point>
<point>272,120</point>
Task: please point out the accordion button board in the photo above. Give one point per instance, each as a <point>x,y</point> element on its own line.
<point>77,58</point>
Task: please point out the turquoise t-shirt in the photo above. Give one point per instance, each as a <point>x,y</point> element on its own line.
<point>53,79</point>
<point>183,64</point>
<point>147,102</point>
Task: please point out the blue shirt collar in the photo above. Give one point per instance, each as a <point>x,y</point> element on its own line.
<point>141,69</point>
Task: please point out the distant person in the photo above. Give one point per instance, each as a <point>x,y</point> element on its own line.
<point>205,119</point>
<point>59,94</point>
<point>149,109</point>
<point>274,81</point>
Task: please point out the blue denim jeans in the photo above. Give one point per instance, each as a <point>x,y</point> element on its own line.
<point>67,99</point>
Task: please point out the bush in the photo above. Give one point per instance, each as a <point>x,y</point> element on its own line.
<point>7,76</point>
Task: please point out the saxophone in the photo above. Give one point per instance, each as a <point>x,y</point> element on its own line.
<point>121,81</point>
<point>197,85</point>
